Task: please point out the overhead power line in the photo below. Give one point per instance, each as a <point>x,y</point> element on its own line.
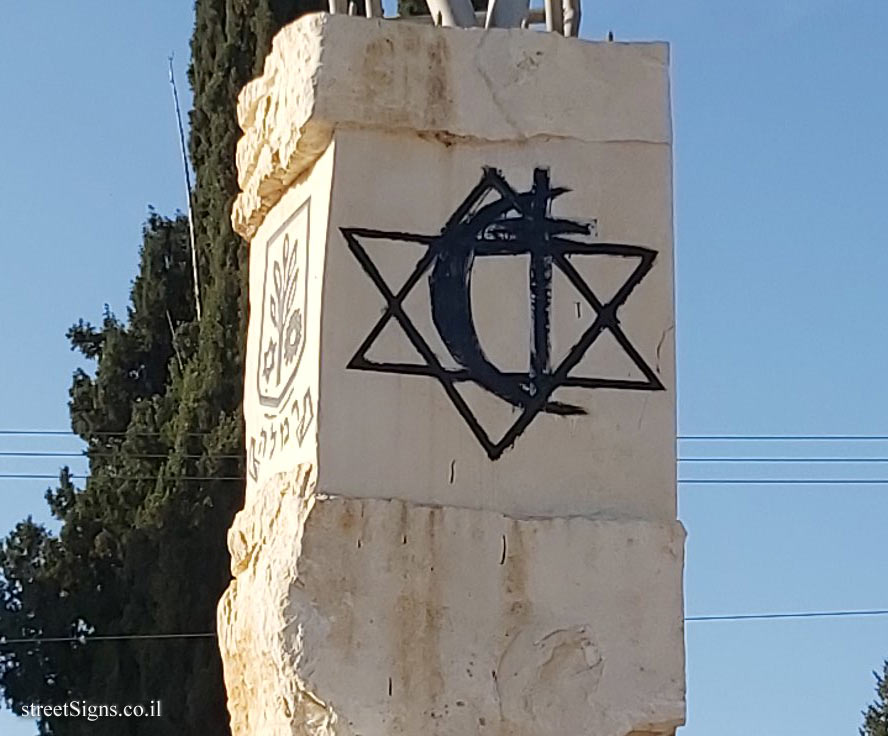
<point>785,481</point>
<point>683,437</point>
<point>120,637</point>
<point>796,615</point>
<point>46,476</point>
<point>784,437</point>
<point>688,619</point>
<point>86,455</point>
<point>782,459</point>
<point>681,481</point>
<point>69,433</point>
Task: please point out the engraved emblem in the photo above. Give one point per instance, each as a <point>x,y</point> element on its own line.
<point>284,305</point>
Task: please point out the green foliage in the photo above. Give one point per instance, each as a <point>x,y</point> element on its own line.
<point>875,717</point>
<point>141,549</point>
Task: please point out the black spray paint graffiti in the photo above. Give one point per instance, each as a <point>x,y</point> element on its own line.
<point>511,223</point>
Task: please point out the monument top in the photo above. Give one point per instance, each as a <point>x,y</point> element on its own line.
<point>498,85</point>
<point>559,16</point>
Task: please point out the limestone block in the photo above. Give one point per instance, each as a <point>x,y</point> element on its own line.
<point>402,434</point>
<point>380,618</point>
<point>335,71</point>
<point>490,382</point>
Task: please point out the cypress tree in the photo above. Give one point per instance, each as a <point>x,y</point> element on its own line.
<point>142,547</point>
<point>875,717</point>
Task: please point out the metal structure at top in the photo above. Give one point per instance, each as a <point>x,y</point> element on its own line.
<point>560,16</point>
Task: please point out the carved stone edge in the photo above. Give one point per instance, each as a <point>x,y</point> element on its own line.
<point>326,72</point>
<point>282,138</point>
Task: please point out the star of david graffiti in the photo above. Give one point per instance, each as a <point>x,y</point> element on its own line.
<point>496,220</point>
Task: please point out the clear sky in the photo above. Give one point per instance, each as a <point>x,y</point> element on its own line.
<point>781,174</point>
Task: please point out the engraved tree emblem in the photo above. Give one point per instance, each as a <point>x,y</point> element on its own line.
<point>282,332</point>
<point>282,346</point>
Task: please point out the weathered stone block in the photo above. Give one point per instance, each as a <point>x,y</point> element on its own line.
<point>379,617</point>
<point>459,374</point>
<point>327,72</point>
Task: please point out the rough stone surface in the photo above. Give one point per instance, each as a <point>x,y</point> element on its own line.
<point>377,617</point>
<point>336,71</point>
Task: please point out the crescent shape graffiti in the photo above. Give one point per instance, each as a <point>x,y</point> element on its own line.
<point>450,289</point>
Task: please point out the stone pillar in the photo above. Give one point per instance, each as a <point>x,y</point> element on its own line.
<point>460,393</point>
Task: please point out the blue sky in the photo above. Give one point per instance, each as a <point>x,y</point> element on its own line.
<point>781,176</point>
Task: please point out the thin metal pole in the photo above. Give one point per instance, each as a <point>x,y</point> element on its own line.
<point>572,13</point>
<point>554,16</point>
<point>187,192</point>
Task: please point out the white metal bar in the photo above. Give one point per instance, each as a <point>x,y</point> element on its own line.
<point>506,13</point>
<point>572,15</point>
<point>459,13</point>
<point>554,16</point>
